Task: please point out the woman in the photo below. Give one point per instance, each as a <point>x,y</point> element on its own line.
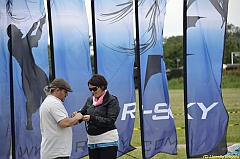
<point>100,112</point>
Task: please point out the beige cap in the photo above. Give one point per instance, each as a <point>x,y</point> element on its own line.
<point>61,83</point>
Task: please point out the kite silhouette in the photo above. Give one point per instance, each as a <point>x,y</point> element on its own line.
<point>220,5</point>
<point>34,78</point>
<point>192,20</point>
<point>222,8</point>
<point>153,67</point>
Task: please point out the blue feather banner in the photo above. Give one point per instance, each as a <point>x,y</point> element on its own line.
<point>207,116</point>
<point>72,60</point>
<point>5,108</point>
<point>158,123</point>
<point>27,43</point>
<point>115,60</point>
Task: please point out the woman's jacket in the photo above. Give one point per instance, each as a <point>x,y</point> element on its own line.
<point>102,117</point>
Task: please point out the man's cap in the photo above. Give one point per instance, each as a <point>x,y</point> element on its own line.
<point>61,83</point>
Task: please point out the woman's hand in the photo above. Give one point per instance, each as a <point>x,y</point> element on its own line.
<point>86,118</point>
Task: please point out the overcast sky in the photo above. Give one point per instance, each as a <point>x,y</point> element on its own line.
<point>173,24</point>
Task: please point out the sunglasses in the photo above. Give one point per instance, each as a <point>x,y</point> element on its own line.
<point>93,89</point>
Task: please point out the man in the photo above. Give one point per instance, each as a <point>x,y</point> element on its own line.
<point>54,122</point>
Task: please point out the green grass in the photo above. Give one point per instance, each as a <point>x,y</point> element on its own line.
<point>137,154</point>
<point>230,82</point>
<point>227,82</point>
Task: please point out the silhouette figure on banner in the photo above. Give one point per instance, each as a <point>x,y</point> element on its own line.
<point>34,79</point>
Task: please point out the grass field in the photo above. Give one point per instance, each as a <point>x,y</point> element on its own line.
<point>231,97</point>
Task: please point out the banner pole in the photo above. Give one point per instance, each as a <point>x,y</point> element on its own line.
<point>185,73</point>
<point>94,36</point>
<point>137,54</point>
<point>12,99</point>
<point>51,40</point>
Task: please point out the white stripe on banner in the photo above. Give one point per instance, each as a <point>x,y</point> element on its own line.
<point>208,118</point>
<point>72,61</point>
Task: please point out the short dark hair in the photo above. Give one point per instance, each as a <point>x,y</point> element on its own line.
<point>98,80</point>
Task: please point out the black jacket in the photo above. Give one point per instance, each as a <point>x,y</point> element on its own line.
<point>102,117</point>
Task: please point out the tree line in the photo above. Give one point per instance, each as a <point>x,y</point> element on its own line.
<point>173,47</point>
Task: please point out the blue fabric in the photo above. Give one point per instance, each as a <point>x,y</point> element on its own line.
<point>158,124</point>
<point>115,61</point>
<point>30,73</point>
<point>72,61</point>
<point>5,116</point>
<point>108,144</point>
<point>207,116</point>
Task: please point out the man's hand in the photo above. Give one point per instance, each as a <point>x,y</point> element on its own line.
<point>79,116</point>
<point>66,122</point>
<point>74,113</point>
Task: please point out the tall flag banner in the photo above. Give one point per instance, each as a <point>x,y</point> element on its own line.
<point>207,116</point>
<point>115,61</point>
<point>27,43</point>
<point>72,60</point>
<point>5,114</point>
<point>158,123</point>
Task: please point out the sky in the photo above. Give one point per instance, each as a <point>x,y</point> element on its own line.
<point>173,24</point>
